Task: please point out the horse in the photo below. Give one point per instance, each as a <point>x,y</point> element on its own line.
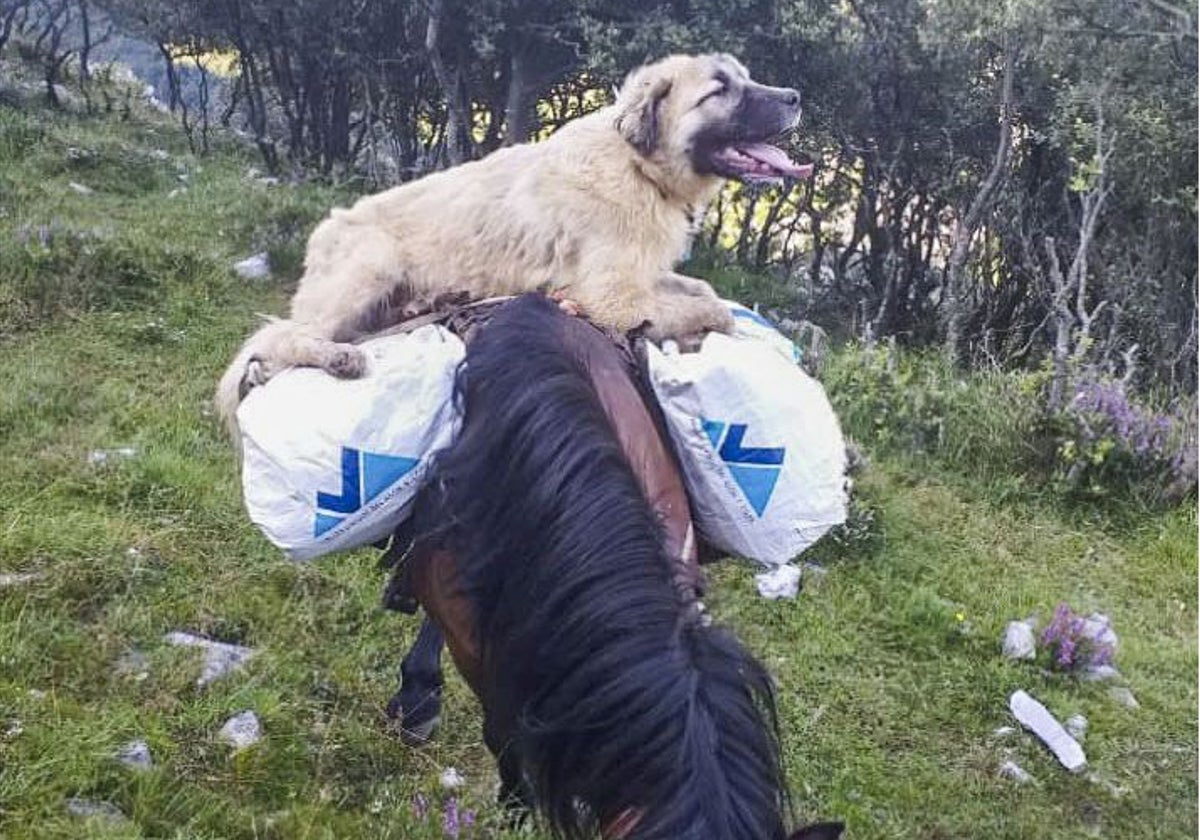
<point>552,550</point>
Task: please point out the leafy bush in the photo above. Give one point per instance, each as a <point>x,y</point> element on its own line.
<point>996,426</point>
<point>1108,442</point>
<point>913,403</point>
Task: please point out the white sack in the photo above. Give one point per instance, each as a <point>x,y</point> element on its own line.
<point>761,449</point>
<point>332,464</point>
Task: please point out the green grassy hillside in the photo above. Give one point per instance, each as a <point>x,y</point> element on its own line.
<point>118,308</point>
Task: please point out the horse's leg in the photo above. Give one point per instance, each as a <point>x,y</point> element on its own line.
<point>515,796</point>
<point>418,703</point>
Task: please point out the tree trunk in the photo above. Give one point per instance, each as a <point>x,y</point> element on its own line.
<point>518,107</point>
<point>954,312</point>
<point>458,141</point>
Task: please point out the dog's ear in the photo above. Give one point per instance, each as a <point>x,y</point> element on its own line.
<point>820,831</point>
<point>639,102</point>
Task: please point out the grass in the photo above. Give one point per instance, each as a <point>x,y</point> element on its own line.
<point>891,682</point>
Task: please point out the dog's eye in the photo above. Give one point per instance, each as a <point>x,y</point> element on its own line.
<point>720,87</point>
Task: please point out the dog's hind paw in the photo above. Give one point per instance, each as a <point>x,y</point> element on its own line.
<point>346,362</point>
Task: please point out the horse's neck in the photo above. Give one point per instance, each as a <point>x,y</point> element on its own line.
<point>643,441</point>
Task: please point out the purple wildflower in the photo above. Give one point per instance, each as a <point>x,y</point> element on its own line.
<point>1075,643</point>
<point>420,806</point>
<point>450,822</point>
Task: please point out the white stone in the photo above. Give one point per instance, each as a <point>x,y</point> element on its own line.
<point>241,731</point>
<point>1014,771</point>
<point>451,779</point>
<point>85,808</point>
<point>1076,726</point>
<point>81,189</point>
<point>136,755</point>
<point>257,267</point>
<point>1003,731</point>
<point>8,579</point>
<point>134,664</point>
<point>781,582</point>
<point>1124,696</point>
<point>1098,628</point>
<point>101,457</point>
<point>219,657</point>
<point>1096,673</point>
<point>1018,641</point>
<point>1037,719</point>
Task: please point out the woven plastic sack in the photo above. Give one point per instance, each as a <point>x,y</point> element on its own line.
<point>760,446</point>
<point>332,464</point>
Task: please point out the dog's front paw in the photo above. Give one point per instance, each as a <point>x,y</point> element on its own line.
<point>346,361</point>
<point>722,320</point>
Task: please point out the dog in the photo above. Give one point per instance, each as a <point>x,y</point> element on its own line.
<point>600,213</point>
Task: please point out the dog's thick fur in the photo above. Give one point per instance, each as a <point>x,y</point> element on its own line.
<point>600,211</point>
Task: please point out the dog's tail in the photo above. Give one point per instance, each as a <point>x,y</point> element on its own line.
<point>234,383</point>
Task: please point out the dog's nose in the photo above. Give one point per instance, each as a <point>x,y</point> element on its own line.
<point>791,97</point>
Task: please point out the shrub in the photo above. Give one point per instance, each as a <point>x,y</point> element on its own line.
<point>993,425</point>
<point>1109,442</point>
<point>915,403</point>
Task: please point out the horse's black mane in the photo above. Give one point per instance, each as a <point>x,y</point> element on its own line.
<point>611,691</point>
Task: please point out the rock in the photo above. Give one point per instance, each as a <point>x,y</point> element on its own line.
<point>134,664</point>
<point>1114,790</point>
<point>160,154</point>
<point>1037,719</point>
<point>1076,726</point>
<point>1096,673</point>
<point>241,731</point>
<point>80,189</point>
<point>813,570</point>
<point>1003,731</point>
<point>451,779</point>
<point>178,191</point>
<point>1014,771</point>
<point>1098,628</point>
<point>219,657</point>
<point>85,808</point>
<point>102,457</point>
<point>781,582</point>
<point>1122,695</point>
<point>1019,642</point>
<point>257,267</point>
<point>136,755</point>
<point>8,579</point>
<point>13,728</point>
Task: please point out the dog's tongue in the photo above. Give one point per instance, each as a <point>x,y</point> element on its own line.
<point>775,158</point>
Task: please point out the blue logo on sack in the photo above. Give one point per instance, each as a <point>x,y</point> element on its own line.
<point>364,476</point>
<point>756,470</point>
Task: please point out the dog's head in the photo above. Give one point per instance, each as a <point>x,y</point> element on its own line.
<point>704,117</point>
